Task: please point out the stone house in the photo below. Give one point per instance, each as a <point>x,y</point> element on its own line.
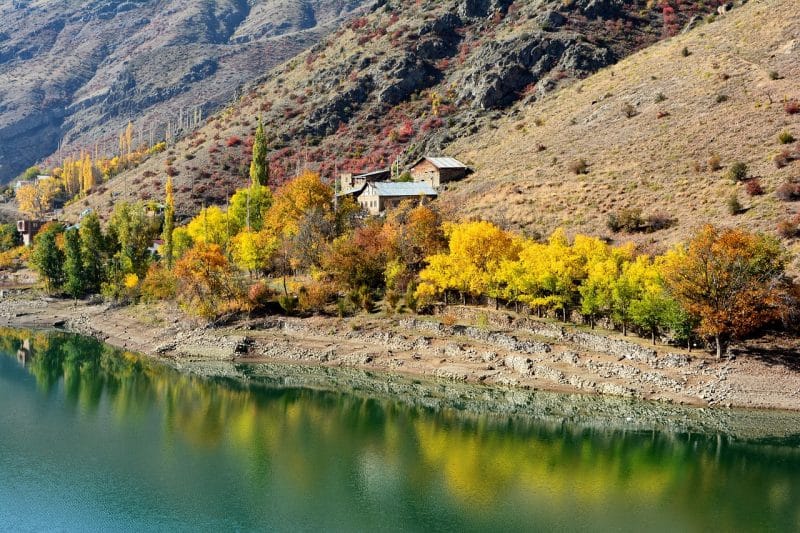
<point>375,198</point>
<point>438,170</point>
<point>28,229</point>
<point>348,182</point>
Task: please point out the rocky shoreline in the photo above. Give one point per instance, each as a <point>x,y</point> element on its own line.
<point>505,350</point>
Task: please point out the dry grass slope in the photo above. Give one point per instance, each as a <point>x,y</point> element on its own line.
<point>721,99</point>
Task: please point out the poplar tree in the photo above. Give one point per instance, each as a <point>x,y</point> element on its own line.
<point>47,258</point>
<point>93,252</point>
<point>259,166</point>
<point>73,264</point>
<point>169,224</point>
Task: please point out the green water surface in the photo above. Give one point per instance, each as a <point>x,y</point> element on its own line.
<point>94,439</point>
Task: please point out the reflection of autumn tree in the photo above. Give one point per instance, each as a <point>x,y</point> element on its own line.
<point>483,464</point>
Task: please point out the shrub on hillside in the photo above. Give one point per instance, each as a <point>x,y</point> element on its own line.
<point>628,220</point>
<point>734,205</point>
<point>786,156</point>
<point>714,162</point>
<point>785,137</point>
<point>788,191</point>
<point>737,171</point>
<point>233,140</point>
<point>658,221</point>
<point>579,166</point>
<point>315,296</point>
<point>792,107</point>
<point>753,187</point>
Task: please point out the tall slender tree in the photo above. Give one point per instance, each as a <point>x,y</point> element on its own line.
<point>73,264</point>
<point>93,252</point>
<point>259,166</point>
<point>169,224</point>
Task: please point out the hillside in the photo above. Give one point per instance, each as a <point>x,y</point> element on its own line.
<point>75,72</point>
<point>726,98</point>
<point>405,79</point>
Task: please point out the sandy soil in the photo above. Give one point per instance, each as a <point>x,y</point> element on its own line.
<point>509,350</point>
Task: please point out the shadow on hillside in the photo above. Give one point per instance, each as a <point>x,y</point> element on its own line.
<point>776,350</point>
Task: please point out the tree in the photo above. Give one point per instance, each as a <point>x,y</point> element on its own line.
<point>730,280</point>
<point>359,259</point>
<point>169,224</point>
<point>296,198</point>
<point>87,174</point>
<point>9,237</point>
<point>248,207</point>
<point>476,250</point>
<point>259,166</point>
<point>204,280</point>
<point>47,258</point>
<point>94,252</point>
<point>134,231</point>
<point>253,251</point>
<point>73,264</point>
<point>212,226</point>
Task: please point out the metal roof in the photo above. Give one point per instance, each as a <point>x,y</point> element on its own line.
<point>354,190</point>
<point>403,189</point>
<point>373,173</point>
<point>443,162</point>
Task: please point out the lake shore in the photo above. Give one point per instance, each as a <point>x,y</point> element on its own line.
<point>504,350</point>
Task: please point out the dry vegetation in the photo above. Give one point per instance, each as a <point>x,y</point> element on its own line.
<point>658,157</point>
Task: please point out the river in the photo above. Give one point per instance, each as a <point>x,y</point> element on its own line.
<point>92,438</point>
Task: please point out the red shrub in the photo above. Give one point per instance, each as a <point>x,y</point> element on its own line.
<point>792,107</point>
<point>789,228</point>
<point>753,187</point>
<point>233,140</point>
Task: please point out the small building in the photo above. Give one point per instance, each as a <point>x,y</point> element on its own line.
<point>438,170</point>
<point>349,181</point>
<point>375,198</point>
<point>28,229</point>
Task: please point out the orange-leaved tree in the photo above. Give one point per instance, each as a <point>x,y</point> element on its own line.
<point>731,280</point>
<point>205,280</point>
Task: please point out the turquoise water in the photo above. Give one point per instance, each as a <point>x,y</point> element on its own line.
<point>95,439</point>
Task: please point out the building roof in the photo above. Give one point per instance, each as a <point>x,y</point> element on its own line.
<point>352,191</point>
<point>391,188</point>
<point>372,173</point>
<point>442,162</point>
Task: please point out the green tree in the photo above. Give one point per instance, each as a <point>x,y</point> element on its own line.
<point>169,225</point>
<point>259,166</point>
<point>249,206</point>
<point>73,264</point>
<point>93,252</point>
<point>47,258</point>
<point>9,237</point>
<point>134,231</point>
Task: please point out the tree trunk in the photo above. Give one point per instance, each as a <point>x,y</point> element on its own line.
<point>591,321</point>
<point>653,336</point>
<point>689,344</point>
<point>624,328</point>
<point>718,341</point>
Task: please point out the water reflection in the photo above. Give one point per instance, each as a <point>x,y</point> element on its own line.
<point>258,457</point>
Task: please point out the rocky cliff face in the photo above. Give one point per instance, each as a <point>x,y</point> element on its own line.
<point>403,79</point>
<point>75,72</point>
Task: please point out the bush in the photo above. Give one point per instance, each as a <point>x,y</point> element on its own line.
<point>786,156</point>
<point>734,205</point>
<point>628,220</point>
<point>788,191</point>
<point>753,187</point>
<point>158,284</point>
<point>789,228</point>
<point>411,298</point>
<point>721,98</point>
<point>792,107</point>
<point>449,319</point>
<point>315,296</point>
<point>233,140</point>
<point>629,110</point>
<point>714,162</point>
<point>786,138</point>
<point>737,171</point>
<point>773,75</point>
<point>259,295</point>
<point>288,303</point>
<point>579,166</point>
<point>685,52</point>
<point>392,298</point>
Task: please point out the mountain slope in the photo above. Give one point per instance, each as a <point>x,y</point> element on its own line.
<point>726,98</point>
<point>405,79</point>
<point>76,72</point>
